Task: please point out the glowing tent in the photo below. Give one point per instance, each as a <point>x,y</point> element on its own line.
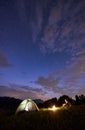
<point>27,105</point>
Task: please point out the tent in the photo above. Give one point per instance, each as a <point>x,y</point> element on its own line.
<point>27,105</point>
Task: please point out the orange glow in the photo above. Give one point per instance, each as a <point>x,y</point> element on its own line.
<point>53,108</point>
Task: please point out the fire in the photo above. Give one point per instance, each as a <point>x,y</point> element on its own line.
<point>53,108</point>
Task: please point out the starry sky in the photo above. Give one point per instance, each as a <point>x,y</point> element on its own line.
<point>42,48</point>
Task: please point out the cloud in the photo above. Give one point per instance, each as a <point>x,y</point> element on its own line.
<point>69,81</point>
<point>64,30</point>
<point>77,67</point>
<point>23,88</point>
<point>73,80</point>
<point>22,91</point>
<point>6,91</point>
<point>56,26</point>
<point>48,83</point>
<point>4,61</point>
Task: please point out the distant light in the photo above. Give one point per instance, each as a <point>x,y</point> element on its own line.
<point>53,108</point>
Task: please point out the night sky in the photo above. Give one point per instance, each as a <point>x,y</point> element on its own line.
<point>42,48</point>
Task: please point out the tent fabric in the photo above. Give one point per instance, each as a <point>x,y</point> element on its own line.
<point>27,105</point>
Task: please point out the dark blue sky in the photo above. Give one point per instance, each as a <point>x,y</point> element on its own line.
<point>42,48</point>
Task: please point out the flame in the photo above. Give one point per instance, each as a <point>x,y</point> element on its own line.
<point>53,108</point>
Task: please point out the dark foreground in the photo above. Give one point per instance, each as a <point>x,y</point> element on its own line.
<point>72,118</point>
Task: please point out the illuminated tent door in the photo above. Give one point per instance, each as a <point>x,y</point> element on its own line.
<point>27,105</point>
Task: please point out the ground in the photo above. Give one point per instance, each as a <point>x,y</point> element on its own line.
<point>72,118</point>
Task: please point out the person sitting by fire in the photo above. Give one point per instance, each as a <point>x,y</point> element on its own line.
<point>67,103</point>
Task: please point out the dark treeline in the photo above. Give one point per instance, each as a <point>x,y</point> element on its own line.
<point>10,105</point>
<point>79,100</point>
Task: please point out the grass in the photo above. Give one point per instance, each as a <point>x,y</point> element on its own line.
<point>72,118</point>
